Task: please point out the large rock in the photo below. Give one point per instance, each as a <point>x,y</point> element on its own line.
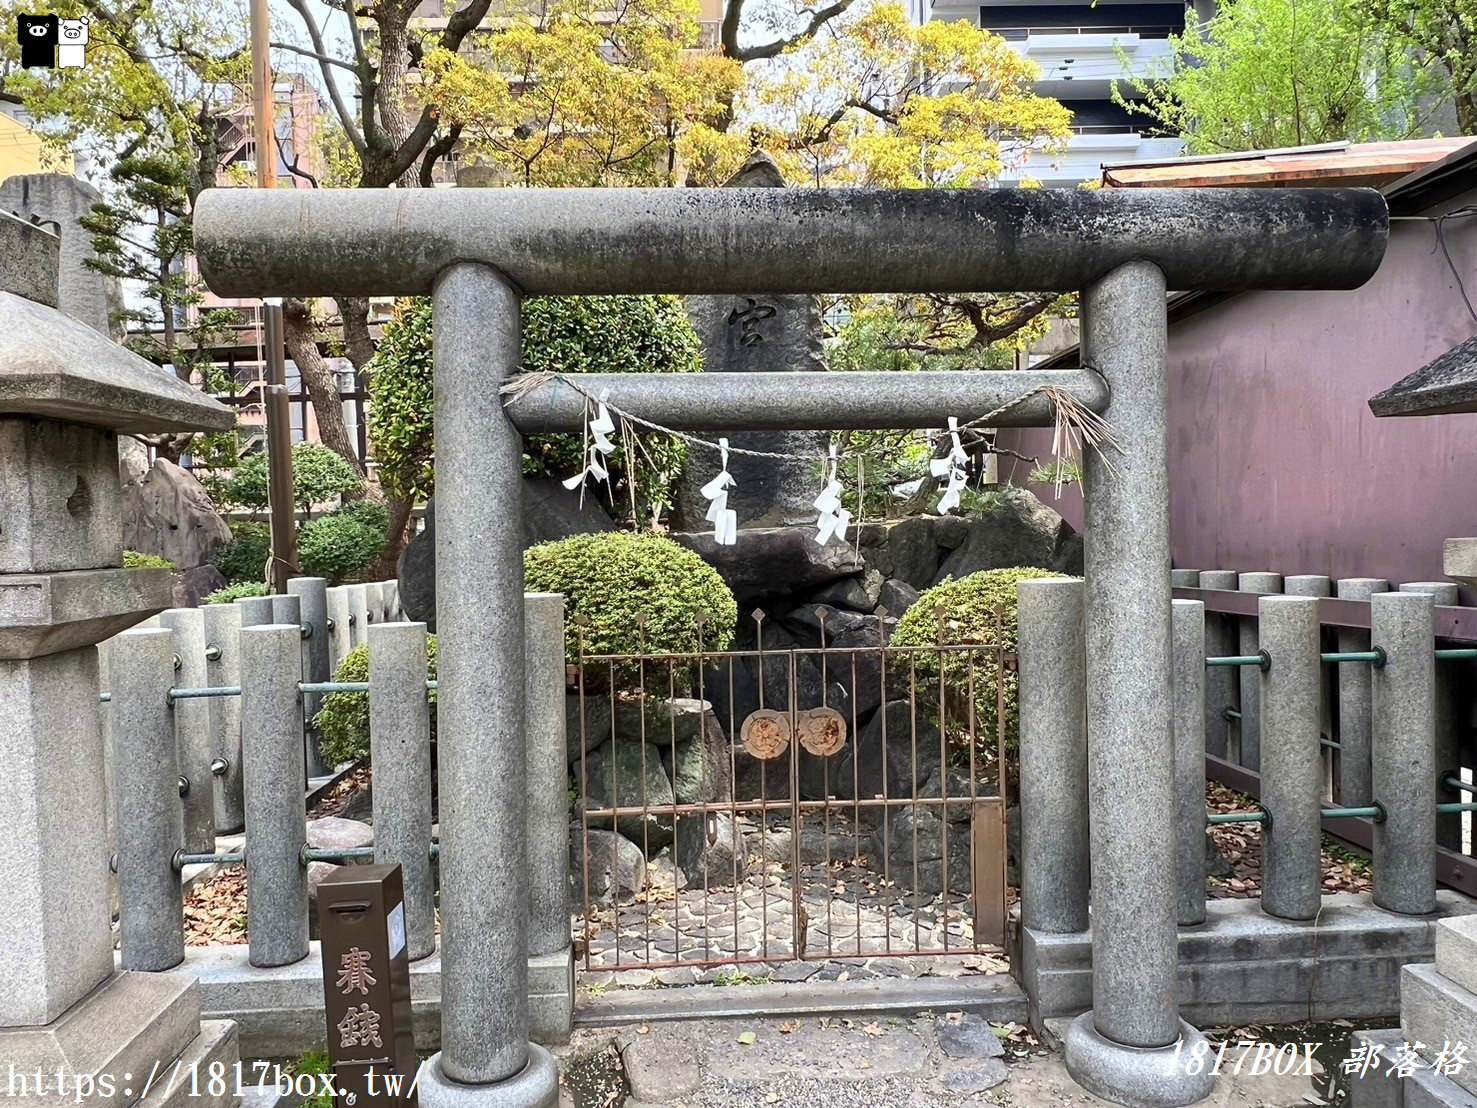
<point>337,833</point>
<point>741,334</point>
<point>170,514</point>
<point>857,594</point>
<point>550,512</point>
<point>709,850</point>
<point>884,751</point>
<point>916,836</point>
<point>193,585</point>
<point>623,774</point>
<point>617,866</point>
<point>593,711</point>
<point>699,765</point>
<point>774,561</point>
<point>897,596</point>
<point>1015,530</point>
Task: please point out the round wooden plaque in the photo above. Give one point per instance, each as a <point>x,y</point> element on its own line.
<point>822,731</point>
<point>766,733</point>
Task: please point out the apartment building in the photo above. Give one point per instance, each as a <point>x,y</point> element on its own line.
<point>1082,48</point>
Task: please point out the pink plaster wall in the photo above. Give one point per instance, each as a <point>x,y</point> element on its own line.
<point>1276,462</point>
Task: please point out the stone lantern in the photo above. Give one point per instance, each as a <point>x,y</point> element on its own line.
<point>66,392</point>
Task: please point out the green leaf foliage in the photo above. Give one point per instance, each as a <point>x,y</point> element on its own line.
<point>970,606</point>
<point>319,474</point>
<point>371,513</point>
<point>244,558</point>
<point>343,721</point>
<point>615,578</point>
<point>1263,74</point>
<point>133,559</point>
<point>235,592</point>
<point>339,545</point>
<point>561,334</point>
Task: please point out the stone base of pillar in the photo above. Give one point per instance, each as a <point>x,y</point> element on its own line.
<point>536,1087</point>
<point>551,996</point>
<point>280,1011</point>
<point>1244,967</point>
<point>130,1026</point>
<point>1139,1077</point>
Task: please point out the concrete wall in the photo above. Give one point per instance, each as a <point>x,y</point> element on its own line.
<point>1275,460</point>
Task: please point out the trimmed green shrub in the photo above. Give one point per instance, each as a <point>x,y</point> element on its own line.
<point>338,545</point>
<point>244,558</point>
<point>134,559</point>
<point>319,473</point>
<point>615,577</point>
<point>343,721</point>
<point>561,334</point>
<point>970,616</point>
<point>237,591</point>
<point>372,513</point>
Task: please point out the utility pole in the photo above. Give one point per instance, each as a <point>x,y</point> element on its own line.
<point>279,425</point>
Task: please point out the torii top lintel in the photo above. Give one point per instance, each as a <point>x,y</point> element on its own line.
<point>380,242</point>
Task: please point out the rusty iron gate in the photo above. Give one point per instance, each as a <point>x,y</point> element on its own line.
<point>776,803</point>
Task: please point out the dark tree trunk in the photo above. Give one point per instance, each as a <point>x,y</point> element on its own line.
<point>319,381</point>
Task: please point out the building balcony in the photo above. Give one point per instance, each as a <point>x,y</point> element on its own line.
<point>1086,152</point>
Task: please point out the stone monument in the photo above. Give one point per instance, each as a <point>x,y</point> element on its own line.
<point>66,392</point>
<point>741,334</point>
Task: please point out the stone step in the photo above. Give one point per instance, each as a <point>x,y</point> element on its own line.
<point>1425,1089</point>
<point>1456,950</point>
<point>204,1075</point>
<point>1436,1011</point>
<point>121,1028</point>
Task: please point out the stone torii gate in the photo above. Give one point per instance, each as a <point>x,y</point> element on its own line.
<point>478,252</point>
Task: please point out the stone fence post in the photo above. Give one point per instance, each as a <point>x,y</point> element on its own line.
<point>358,615</point>
<point>146,783</point>
<point>340,634</point>
<point>1292,779</point>
<point>400,748</point>
<point>1452,709</point>
<point>223,670</point>
<point>1187,631</point>
<point>550,957</point>
<point>312,596</point>
<point>193,738</point>
<point>1355,790</point>
<point>1403,715</point>
<point>1250,678</point>
<point>1053,755</point>
<point>1222,688</point>
<point>276,817</point>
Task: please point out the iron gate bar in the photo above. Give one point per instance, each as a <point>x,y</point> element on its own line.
<point>580,241</point>
<point>800,811</point>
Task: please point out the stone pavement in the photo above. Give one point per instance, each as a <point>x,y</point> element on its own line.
<point>845,909</point>
<point>940,1060</point>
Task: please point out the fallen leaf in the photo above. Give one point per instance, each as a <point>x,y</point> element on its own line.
<point>747,1038</point>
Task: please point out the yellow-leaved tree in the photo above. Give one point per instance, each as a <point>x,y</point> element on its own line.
<point>584,92</point>
<point>875,100</point>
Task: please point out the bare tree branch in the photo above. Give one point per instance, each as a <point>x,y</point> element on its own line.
<point>345,117</point>
<point>818,19</point>
<point>291,49</point>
